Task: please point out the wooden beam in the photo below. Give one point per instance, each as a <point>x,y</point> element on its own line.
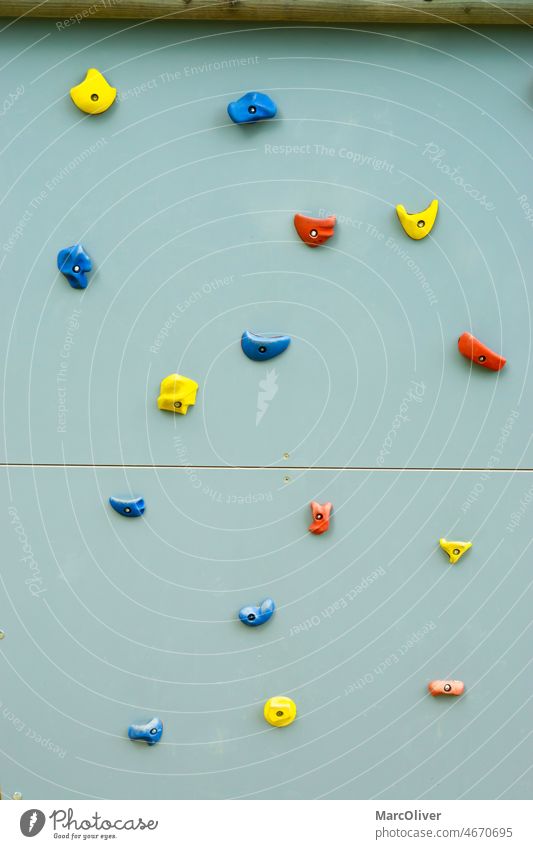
<point>469,12</point>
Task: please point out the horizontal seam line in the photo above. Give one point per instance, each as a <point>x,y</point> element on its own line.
<point>262,468</point>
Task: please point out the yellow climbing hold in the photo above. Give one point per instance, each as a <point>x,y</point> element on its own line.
<point>94,94</point>
<point>455,550</point>
<point>418,224</point>
<point>280,711</point>
<point>177,393</point>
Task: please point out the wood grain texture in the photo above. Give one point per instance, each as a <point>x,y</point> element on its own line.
<point>319,11</point>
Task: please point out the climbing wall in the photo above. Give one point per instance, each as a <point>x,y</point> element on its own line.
<point>187,218</point>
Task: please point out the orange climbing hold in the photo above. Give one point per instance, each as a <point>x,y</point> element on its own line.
<point>321,514</point>
<point>446,688</point>
<point>314,231</point>
<point>474,350</point>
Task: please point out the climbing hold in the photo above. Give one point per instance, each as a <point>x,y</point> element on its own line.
<point>130,507</point>
<point>74,263</point>
<point>314,231</point>
<point>474,350</point>
<point>94,94</point>
<point>252,106</point>
<point>446,688</point>
<point>177,393</point>
<point>280,711</point>
<point>417,225</point>
<point>2,635</point>
<point>263,347</point>
<point>150,731</point>
<point>257,615</point>
<point>455,550</point>
<point>321,514</point>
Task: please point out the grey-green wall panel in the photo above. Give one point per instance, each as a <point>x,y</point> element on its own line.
<point>188,220</point>
<point>127,618</point>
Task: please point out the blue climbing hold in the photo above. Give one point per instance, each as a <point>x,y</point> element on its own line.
<point>253,106</point>
<point>257,615</point>
<point>127,506</point>
<point>150,731</point>
<point>74,263</point>
<point>263,347</point>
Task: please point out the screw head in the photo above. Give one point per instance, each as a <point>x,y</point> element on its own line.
<point>94,97</point>
<point>420,223</point>
<point>313,233</point>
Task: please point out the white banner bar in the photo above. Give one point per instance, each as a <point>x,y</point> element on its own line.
<point>265,824</point>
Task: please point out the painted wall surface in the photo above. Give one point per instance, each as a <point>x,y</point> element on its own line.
<point>188,220</point>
